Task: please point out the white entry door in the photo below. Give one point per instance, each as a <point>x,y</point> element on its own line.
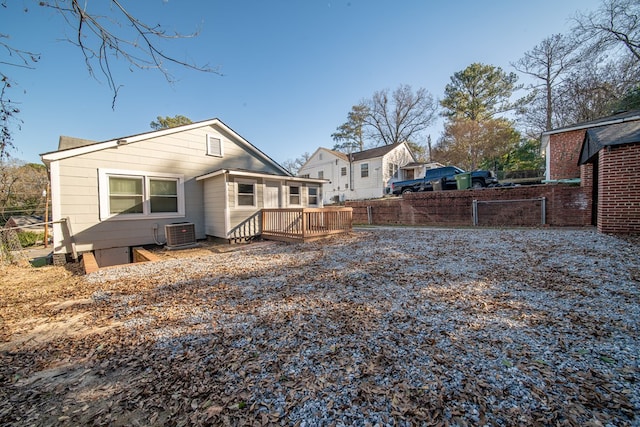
<point>272,194</point>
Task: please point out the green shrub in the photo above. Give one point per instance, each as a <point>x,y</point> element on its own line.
<point>29,238</point>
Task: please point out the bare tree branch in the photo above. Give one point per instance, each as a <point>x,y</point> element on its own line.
<point>615,23</point>
<point>100,43</point>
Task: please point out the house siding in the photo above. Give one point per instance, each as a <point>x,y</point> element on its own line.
<point>619,197</point>
<point>215,206</point>
<point>181,152</point>
<point>353,186</point>
<point>240,214</point>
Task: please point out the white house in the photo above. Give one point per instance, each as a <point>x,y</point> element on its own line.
<point>123,192</point>
<point>361,175</point>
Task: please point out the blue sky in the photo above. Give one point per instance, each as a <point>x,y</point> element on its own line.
<point>292,70</point>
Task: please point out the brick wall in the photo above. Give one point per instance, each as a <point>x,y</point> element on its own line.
<point>619,189</point>
<point>564,149</point>
<point>565,206</point>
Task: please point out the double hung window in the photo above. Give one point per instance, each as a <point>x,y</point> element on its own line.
<point>313,196</point>
<point>294,195</point>
<point>132,194</point>
<point>364,170</point>
<point>246,193</point>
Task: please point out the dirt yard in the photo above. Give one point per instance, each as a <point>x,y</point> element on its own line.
<point>393,327</point>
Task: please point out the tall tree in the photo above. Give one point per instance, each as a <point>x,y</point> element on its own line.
<point>169,122</point>
<point>591,92</point>
<point>525,156</point>
<point>615,24</point>
<point>472,143</point>
<point>480,92</point>
<point>548,62</point>
<point>102,38</point>
<point>474,132</point>
<point>630,101</point>
<point>21,188</point>
<point>400,116</point>
<point>349,136</point>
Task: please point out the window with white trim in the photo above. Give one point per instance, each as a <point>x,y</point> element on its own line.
<point>313,196</point>
<point>214,146</point>
<point>134,194</point>
<point>246,194</point>
<point>294,194</point>
<point>343,171</point>
<point>393,170</point>
<point>364,170</point>
<point>163,195</point>
<point>320,174</point>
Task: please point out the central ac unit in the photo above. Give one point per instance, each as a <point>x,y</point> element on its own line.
<point>180,234</point>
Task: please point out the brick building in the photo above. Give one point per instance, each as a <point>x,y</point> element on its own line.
<point>604,155</point>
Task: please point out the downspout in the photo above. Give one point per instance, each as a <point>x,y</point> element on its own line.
<point>350,172</point>
<point>227,221</point>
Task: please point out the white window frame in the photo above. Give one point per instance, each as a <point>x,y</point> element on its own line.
<point>321,174</point>
<point>364,167</point>
<point>255,193</point>
<point>393,170</point>
<point>104,196</point>
<point>299,194</point>
<point>317,195</point>
<point>214,146</point>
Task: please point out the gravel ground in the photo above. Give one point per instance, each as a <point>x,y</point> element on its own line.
<point>386,326</point>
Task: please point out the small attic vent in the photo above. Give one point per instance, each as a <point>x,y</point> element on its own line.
<point>180,234</point>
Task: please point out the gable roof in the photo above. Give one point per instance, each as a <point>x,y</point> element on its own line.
<point>372,153</point>
<point>72,150</point>
<point>626,116</point>
<point>606,136</point>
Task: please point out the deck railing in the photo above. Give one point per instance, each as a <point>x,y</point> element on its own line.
<point>304,224</point>
<point>247,230</point>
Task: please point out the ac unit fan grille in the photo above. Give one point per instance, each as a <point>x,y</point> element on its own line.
<point>180,234</point>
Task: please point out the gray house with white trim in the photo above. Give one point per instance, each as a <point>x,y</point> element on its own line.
<point>122,192</point>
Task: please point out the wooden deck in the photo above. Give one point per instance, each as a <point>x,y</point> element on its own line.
<point>305,224</point>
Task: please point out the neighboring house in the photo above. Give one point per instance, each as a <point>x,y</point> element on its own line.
<point>604,155</point>
<point>32,223</point>
<point>361,175</point>
<point>122,192</point>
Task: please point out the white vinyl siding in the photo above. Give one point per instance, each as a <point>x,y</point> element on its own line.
<point>215,206</point>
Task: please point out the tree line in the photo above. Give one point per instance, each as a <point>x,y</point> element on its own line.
<point>591,72</point>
